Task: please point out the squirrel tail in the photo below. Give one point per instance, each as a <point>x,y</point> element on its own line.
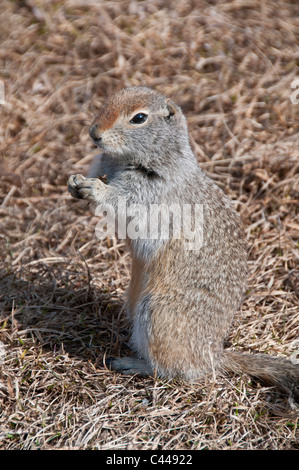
<point>281,373</point>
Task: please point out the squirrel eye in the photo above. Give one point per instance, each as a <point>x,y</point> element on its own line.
<point>139,118</point>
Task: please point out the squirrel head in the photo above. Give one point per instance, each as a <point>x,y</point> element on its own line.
<point>140,125</point>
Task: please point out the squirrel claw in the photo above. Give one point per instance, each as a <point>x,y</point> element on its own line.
<point>83,188</point>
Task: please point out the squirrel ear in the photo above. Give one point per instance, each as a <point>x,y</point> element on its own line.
<point>170,108</point>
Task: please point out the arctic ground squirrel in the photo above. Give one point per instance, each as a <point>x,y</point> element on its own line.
<point>182,298</point>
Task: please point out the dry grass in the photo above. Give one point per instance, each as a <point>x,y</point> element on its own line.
<point>230,65</point>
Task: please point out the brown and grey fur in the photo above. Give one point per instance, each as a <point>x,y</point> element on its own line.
<point>181,302</point>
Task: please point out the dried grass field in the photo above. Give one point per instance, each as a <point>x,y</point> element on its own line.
<point>230,65</point>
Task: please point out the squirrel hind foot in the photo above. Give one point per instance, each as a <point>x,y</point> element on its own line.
<point>129,366</point>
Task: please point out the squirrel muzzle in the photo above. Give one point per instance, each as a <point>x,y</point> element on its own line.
<point>94,133</point>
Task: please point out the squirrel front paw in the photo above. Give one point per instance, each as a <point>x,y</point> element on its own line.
<point>84,188</point>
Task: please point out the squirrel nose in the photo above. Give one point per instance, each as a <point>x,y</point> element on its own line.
<point>93,133</point>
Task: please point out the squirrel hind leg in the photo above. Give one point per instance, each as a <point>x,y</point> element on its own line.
<point>129,366</point>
